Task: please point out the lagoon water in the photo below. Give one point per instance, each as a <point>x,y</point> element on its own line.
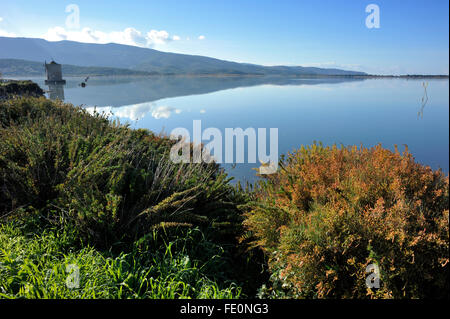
<point>348,111</point>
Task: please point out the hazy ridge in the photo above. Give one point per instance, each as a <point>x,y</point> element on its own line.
<point>142,59</point>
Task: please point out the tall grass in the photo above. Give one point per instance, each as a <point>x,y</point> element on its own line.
<point>37,267</point>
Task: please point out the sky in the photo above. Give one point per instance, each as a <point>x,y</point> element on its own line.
<point>412,37</point>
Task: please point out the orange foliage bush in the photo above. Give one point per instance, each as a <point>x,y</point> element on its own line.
<point>330,212</point>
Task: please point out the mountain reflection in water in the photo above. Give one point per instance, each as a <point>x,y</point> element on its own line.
<point>100,90</point>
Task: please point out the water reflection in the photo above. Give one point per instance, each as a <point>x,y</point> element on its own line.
<point>332,110</point>
<point>424,100</point>
<point>120,91</point>
<point>56,92</point>
<point>136,112</point>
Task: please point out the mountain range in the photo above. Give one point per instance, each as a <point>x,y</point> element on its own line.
<point>138,59</point>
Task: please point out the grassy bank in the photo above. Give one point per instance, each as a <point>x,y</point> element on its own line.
<point>90,208</point>
<point>78,188</point>
<point>39,266</point>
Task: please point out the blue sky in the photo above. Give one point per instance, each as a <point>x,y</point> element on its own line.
<point>412,38</point>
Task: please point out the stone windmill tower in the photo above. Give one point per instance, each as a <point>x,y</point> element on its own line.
<point>54,73</point>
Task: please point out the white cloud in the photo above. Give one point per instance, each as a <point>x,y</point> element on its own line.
<point>176,38</point>
<point>128,36</point>
<point>157,37</point>
<point>202,37</point>
<point>4,33</point>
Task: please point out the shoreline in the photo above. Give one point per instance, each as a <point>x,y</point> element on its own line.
<point>311,76</point>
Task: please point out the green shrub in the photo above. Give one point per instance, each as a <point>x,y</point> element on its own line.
<point>330,212</point>
<point>61,165</point>
<point>117,198</point>
<point>12,88</point>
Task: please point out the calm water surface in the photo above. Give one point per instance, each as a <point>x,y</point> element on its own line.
<point>367,112</point>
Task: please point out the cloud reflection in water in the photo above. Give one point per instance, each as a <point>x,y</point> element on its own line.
<point>136,112</point>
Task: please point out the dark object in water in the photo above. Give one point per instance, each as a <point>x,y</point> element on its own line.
<point>83,84</point>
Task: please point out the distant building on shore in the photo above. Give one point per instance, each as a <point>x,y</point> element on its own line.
<point>54,73</point>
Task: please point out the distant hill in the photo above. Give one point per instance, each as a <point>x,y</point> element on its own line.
<point>141,59</point>
<point>16,67</point>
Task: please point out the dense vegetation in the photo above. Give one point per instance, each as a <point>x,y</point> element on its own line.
<point>78,188</point>
<point>81,190</point>
<point>330,212</point>
<point>10,88</point>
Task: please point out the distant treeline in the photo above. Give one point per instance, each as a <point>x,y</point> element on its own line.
<point>16,67</point>
<point>409,76</point>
